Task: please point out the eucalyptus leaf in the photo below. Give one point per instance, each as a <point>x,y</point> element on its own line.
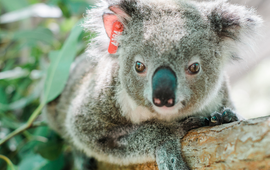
<point>13,74</point>
<point>38,34</point>
<point>52,148</point>
<point>31,162</point>
<point>21,103</point>
<point>27,149</point>
<point>49,150</point>
<point>3,96</point>
<point>40,10</point>
<point>78,7</point>
<point>57,164</point>
<point>12,5</point>
<point>9,64</point>
<point>12,167</point>
<point>42,131</point>
<point>58,70</point>
<point>8,122</point>
<point>53,2</point>
<point>64,8</point>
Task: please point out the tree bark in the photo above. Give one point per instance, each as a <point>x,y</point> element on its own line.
<point>238,145</point>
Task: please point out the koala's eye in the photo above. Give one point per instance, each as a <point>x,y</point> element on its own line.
<point>140,67</point>
<point>194,68</point>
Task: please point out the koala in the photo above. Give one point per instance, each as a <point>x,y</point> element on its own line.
<point>154,71</point>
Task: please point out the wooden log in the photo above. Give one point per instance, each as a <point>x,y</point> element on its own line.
<point>238,145</point>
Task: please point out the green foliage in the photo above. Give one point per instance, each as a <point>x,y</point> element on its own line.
<point>12,5</point>
<point>35,56</point>
<point>10,165</point>
<point>58,70</point>
<point>33,36</point>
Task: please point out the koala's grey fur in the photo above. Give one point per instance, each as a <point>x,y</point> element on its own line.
<point>106,108</point>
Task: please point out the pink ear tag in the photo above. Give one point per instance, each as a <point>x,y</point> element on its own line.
<point>117,30</point>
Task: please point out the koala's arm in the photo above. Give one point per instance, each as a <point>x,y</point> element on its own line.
<point>132,143</point>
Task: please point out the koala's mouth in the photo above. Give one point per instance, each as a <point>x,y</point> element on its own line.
<point>164,110</point>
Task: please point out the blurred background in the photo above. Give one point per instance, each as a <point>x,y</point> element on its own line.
<point>250,77</point>
<point>30,29</point>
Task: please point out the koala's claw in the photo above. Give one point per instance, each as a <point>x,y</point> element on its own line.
<point>216,119</point>
<point>227,116</point>
<point>168,157</point>
<point>194,122</point>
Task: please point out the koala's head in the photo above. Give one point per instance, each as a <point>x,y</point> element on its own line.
<point>171,54</point>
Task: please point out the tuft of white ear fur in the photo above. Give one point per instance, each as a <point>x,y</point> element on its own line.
<point>235,25</point>
<point>122,15</point>
<point>98,46</point>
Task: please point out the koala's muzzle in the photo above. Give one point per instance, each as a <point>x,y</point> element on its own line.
<point>164,86</point>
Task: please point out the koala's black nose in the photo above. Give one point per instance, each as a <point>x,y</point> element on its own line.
<point>164,86</point>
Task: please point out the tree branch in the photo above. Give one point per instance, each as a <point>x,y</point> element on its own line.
<point>24,127</point>
<point>238,145</point>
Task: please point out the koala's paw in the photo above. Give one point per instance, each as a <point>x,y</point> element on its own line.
<point>194,122</point>
<point>227,116</point>
<point>168,157</point>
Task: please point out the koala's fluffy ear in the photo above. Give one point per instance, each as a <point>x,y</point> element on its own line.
<point>109,19</point>
<point>233,21</point>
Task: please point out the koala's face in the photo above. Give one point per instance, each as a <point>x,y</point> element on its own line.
<point>172,53</point>
<point>171,64</point>
<point>173,82</point>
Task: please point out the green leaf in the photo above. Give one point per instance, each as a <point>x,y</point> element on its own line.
<point>38,34</point>
<point>67,24</point>
<point>58,70</point>
<point>64,8</point>
<point>78,7</point>
<point>27,149</point>
<point>49,150</point>
<point>32,162</point>
<point>33,1</point>
<point>10,165</point>
<point>9,64</point>
<point>8,122</point>
<point>57,164</point>
<point>12,5</point>
<point>53,2</point>
<point>3,96</point>
<point>52,148</point>
<point>42,131</point>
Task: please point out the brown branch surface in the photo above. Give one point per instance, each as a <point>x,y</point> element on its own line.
<point>238,145</point>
